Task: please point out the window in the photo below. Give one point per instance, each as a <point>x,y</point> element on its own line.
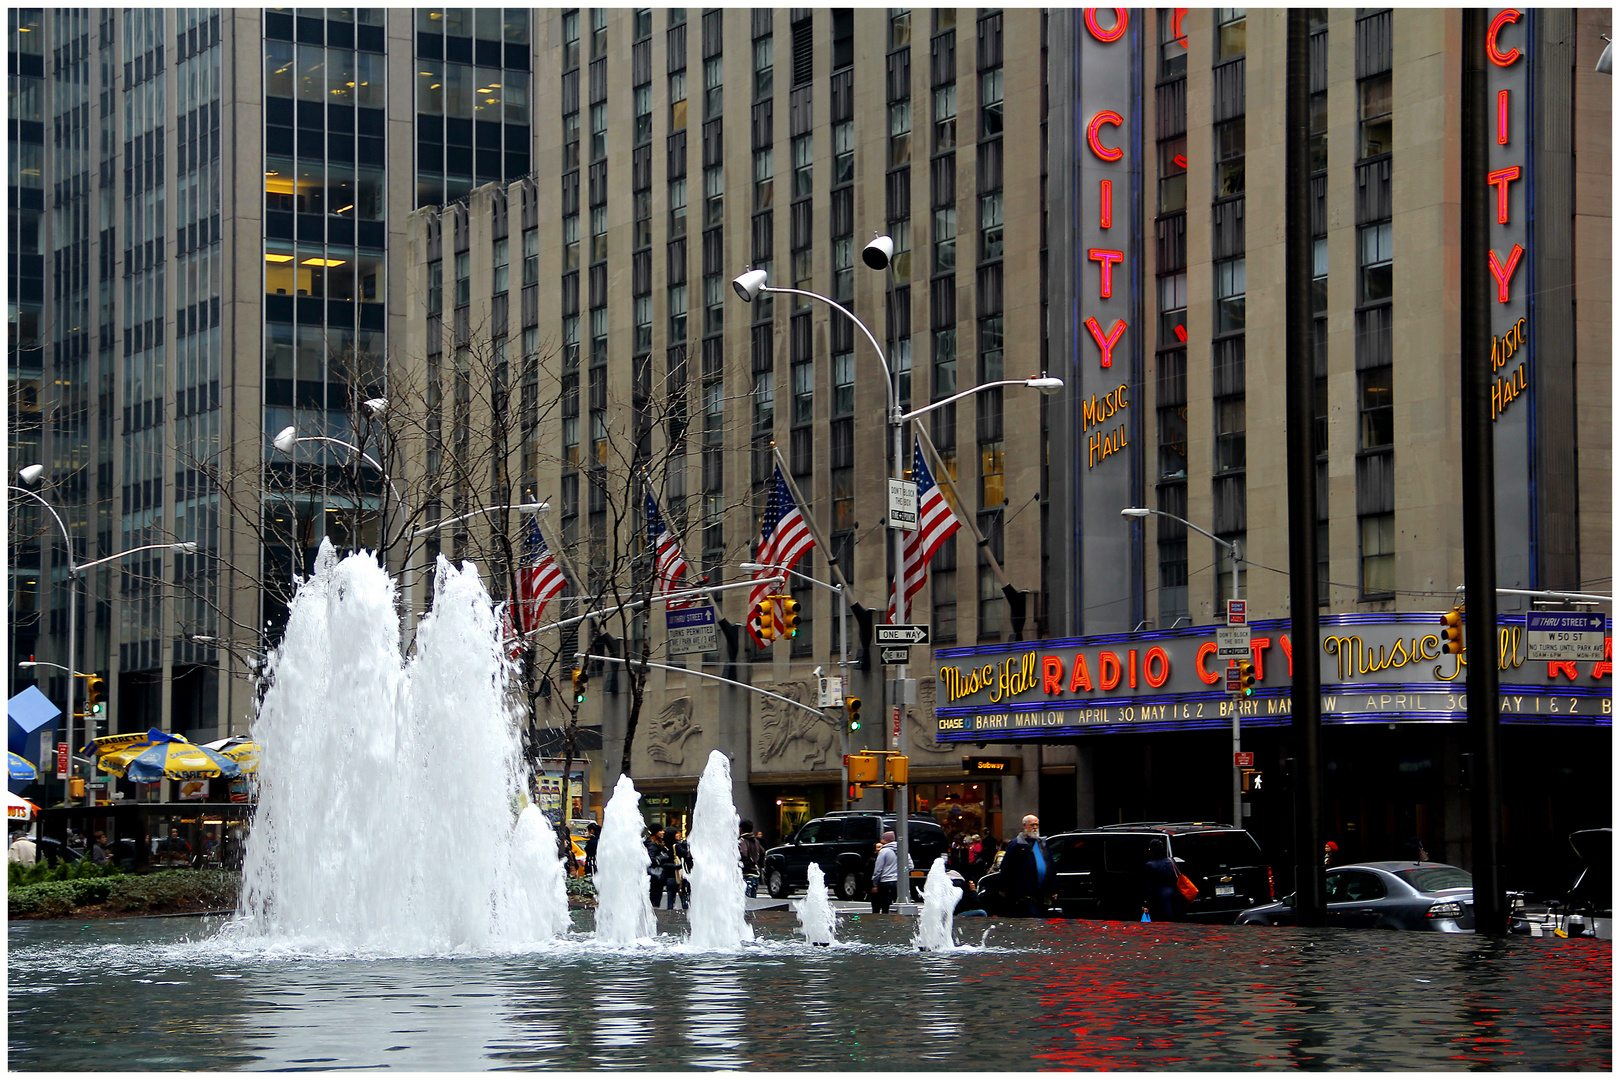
<point>1377,554</point>
<point>1173,442</point>
<point>843,265</point>
<point>570,241</point>
<point>764,69</point>
<point>677,100</point>
<point>990,226</point>
<point>643,99</point>
<point>763,179</point>
<point>843,377</point>
<point>804,400</point>
<point>764,403</point>
<point>992,355</point>
<point>801,276</point>
<point>599,240</point>
<point>1229,149</point>
<point>463,284</point>
<point>1230,295</point>
<point>1230,32</point>
<point>1318,132</point>
<point>570,440</point>
<point>570,124</point>
<point>899,28</point>
<point>944,362</point>
<point>1377,407</point>
<point>643,23</point>
<point>944,239</point>
<point>900,357</point>
<point>501,257</point>
<point>843,137</point>
<point>802,164</point>
<point>598,131</point>
<point>1377,122</point>
<point>1376,255</point>
<point>531,256</point>
<point>900,233</point>
<point>714,304</point>
<point>435,287</point>
<point>713,87</point>
<point>598,32</point>
<point>677,314</point>
<point>599,335</point>
<point>1230,435</point>
<point>992,474</point>
<point>714,195</point>
<point>990,103</point>
<point>677,207</point>
<point>993,611</point>
<point>570,34</point>
<point>642,222</point>
<point>1173,174</point>
<point>1319,270</point>
<point>1172,49</point>
<point>1172,581</point>
<point>570,337</point>
<point>1172,309</point>
<point>944,117</point>
<point>899,132</point>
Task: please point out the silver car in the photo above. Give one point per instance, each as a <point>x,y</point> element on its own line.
<point>1396,895</point>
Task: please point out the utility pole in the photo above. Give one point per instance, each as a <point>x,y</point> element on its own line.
<point>1310,905</point>
<point>1479,496</point>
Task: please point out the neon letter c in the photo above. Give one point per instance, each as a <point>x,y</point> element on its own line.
<point>1107,153</point>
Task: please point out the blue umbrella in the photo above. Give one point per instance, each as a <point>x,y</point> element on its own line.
<point>173,757</point>
<point>20,767</point>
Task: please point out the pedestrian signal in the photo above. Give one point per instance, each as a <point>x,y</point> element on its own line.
<point>790,617</point>
<point>896,767</point>
<point>863,769</point>
<point>1451,632</point>
<point>856,792</point>
<point>852,708</point>
<point>1251,781</point>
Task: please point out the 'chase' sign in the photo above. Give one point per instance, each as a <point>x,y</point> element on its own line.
<point>1379,667</point>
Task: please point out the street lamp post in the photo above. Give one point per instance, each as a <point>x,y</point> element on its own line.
<point>1237,568</point>
<point>877,255</point>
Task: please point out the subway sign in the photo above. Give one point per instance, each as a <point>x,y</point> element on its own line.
<point>1375,668</point>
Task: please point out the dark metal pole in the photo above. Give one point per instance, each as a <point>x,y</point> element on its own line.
<point>1478,484</point>
<point>1310,902</point>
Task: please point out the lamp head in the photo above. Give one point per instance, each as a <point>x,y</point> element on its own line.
<point>1605,64</point>
<point>1135,511</point>
<point>286,439</point>
<point>533,508</point>
<point>187,546</point>
<point>750,285</point>
<point>879,253</point>
<point>751,567</point>
<point>1046,384</point>
<point>29,475</point>
<point>374,406</point>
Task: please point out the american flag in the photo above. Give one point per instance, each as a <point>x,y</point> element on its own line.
<point>783,537</point>
<point>539,578</point>
<point>935,524</point>
<point>668,562</point>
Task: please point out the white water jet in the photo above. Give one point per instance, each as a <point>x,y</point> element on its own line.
<point>623,909</point>
<point>938,910</point>
<point>388,789</point>
<point>718,915</point>
<point>815,910</point>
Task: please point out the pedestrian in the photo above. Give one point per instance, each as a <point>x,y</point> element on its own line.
<point>683,866</point>
<point>751,853</point>
<point>886,875</point>
<point>22,850</point>
<point>1415,849</point>
<point>1160,875</point>
<point>982,856</point>
<point>958,857</point>
<point>99,853</point>
<point>1025,870</point>
<point>1330,852</point>
<point>593,833</point>
<point>661,868</point>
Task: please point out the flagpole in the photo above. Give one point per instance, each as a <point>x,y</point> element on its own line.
<point>941,474</point>
<point>810,522</point>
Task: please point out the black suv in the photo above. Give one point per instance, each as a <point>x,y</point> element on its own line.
<point>1101,873</point>
<point>844,844</point>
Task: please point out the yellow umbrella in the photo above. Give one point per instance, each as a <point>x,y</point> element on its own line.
<point>175,757</point>
<point>245,752</point>
<point>114,752</point>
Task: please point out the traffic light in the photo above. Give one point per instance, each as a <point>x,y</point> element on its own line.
<point>95,688</point>
<point>765,619</point>
<point>790,617</point>
<point>581,678</point>
<point>852,708</point>
<point>1451,633</point>
<point>1251,781</point>
<point>896,767</point>
<point>863,768</point>
<point>1246,678</point>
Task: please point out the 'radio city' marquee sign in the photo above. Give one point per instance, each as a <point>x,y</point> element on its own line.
<point>1385,667</point>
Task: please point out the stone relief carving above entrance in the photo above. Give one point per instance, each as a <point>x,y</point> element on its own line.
<point>792,739</point>
<point>671,728</point>
<point>920,722</point>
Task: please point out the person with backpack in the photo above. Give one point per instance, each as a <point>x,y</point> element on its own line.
<point>751,853</point>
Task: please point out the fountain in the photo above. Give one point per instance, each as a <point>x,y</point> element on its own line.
<point>624,911</point>
<point>939,907</point>
<point>718,913</point>
<point>815,910</point>
<point>385,820</point>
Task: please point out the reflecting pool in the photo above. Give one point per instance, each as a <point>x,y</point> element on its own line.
<point>169,994</point>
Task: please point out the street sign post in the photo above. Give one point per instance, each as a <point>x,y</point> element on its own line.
<point>900,634</point>
<point>895,654</point>
<point>1231,643</point>
<point>902,504</point>
<point>1234,679</point>
<point>1564,635</point>
<point>691,630</point>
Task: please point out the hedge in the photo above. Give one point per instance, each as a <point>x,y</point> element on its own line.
<point>126,893</point>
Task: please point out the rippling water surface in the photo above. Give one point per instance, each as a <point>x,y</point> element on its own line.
<point>163,994</point>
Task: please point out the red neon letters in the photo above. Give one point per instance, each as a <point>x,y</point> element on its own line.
<point>1504,274</point>
<point>1106,153</point>
<point>1106,344</point>
<point>1121,21</point>
<point>1108,259</point>
<point>1175,27</point>
<point>1105,213</point>
<point>1498,57</point>
<point>1502,118</point>
<point>1500,179</point>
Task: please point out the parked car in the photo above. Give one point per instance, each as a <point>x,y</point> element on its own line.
<point>1394,895</point>
<point>1101,873</point>
<point>844,844</point>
